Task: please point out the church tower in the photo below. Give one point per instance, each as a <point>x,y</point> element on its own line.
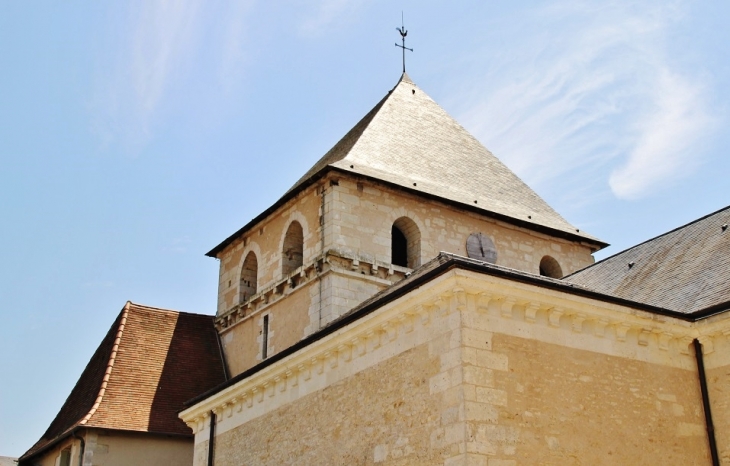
<point>405,183</point>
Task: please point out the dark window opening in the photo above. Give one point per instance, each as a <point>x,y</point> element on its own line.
<point>249,276</point>
<point>265,338</point>
<point>549,267</point>
<point>293,253</point>
<point>399,247</point>
<point>65,457</point>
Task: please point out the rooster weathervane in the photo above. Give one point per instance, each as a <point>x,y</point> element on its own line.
<point>403,34</point>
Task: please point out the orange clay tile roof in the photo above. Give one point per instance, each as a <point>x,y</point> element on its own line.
<point>149,363</point>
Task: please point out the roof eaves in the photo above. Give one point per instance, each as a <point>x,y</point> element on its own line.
<point>327,168</point>
<point>100,396</point>
<point>49,444</point>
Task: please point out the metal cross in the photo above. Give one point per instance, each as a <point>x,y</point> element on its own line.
<point>403,34</point>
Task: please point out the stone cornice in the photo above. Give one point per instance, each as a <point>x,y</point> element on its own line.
<point>364,266</point>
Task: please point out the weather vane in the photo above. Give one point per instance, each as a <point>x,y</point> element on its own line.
<point>403,34</point>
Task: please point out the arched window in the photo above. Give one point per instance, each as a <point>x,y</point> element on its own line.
<point>249,276</point>
<point>292,255</point>
<point>549,267</point>
<point>405,243</point>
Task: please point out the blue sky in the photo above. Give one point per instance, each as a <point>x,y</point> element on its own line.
<point>135,136</point>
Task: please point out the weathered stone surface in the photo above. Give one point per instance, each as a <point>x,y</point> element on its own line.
<point>384,415</point>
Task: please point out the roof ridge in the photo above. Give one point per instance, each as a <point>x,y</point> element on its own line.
<point>155,308</point>
<point>666,233</point>
<point>110,365</point>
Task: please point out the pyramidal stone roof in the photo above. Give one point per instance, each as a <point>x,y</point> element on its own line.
<point>409,141</point>
<point>149,363</point>
<point>684,270</point>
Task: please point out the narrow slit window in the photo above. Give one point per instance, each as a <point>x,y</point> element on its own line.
<point>265,338</point>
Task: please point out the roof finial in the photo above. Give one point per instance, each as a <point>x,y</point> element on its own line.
<point>403,34</point>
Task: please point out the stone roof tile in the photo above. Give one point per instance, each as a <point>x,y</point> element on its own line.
<point>684,270</point>
<point>407,139</point>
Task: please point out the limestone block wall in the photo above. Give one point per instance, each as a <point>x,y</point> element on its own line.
<point>717,366</point>
<point>288,318</point>
<point>300,306</point>
<point>719,392</point>
<point>362,214</point>
<point>391,422</point>
<point>474,369</point>
<point>117,448</point>
<point>122,449</point>
<point>342,290</point>
<point>568,406</point>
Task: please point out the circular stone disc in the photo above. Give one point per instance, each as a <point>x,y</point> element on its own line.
<point>480,247</point>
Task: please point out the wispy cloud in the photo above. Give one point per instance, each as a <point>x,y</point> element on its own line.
<point>163,39</point>
<point>666,134</point>
<point>233,45</point>
<point>325,12</point>
<point>602,96</point>
<point>160,45</point>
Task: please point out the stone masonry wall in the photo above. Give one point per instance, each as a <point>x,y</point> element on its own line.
<point>384,415</point>
<point>718,380</point>
<point>478,370</point>
<point>288,319</point>
<point>471,396</point>
<point>557,405</point>
<point>358,216</point>
<point>363,213</point>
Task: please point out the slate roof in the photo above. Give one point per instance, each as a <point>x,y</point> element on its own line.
<point>409,141</point>
<point>685,270</point>
<point>149,363</point>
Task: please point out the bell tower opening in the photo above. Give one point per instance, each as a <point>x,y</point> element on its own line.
<point>549,267</point>
<point>405,243</point>
<point>249,276</point>
<point>292,256</point>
